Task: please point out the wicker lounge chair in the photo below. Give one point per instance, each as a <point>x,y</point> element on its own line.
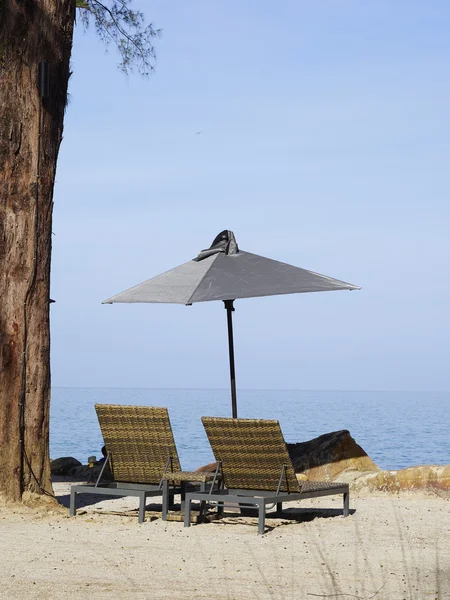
<point>140,450</point>
<point>256,469</point>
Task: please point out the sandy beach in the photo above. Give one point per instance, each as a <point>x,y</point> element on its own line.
<point>392,547</point>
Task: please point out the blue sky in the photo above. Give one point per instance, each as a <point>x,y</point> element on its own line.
<point>325,143</point>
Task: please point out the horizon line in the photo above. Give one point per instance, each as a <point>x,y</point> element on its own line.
<point>206,389</point>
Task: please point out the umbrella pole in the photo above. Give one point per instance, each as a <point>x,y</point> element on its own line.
<point>230,309</point>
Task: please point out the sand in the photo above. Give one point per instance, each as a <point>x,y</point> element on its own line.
<point>391,547</point>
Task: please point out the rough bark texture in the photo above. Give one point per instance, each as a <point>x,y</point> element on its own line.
<point>30,31</point>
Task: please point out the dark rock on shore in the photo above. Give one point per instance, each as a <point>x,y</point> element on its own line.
<point>72,467</point>
<point>91,473</point>
<point>64,465</point>
<point>209,468</point>
<point>324,457</point>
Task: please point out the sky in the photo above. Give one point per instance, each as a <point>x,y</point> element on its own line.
<point>324,143</point>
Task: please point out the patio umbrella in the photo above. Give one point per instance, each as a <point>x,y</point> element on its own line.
<point>223,272</point>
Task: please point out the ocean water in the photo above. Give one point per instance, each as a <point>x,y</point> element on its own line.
<point>396,429</point>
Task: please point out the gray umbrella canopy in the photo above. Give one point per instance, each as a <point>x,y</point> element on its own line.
<point>223,272</point>
<point>228,277</point>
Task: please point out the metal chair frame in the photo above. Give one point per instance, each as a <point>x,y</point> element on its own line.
<point>261,499</point>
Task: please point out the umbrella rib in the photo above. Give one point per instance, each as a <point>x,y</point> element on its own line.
<point>201,278</point>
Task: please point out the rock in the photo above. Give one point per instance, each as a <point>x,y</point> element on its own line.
<point>84,473</point>
<point>87,473</point>
<point>427,478</point>
<point>62,466</point>
<point>209,468</point>
<point>324,458</point>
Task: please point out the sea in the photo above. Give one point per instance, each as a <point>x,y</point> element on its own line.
<point>396,429</point>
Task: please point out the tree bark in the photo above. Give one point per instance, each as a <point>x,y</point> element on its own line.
<point>31,31</point>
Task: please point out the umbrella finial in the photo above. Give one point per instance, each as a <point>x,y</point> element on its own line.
<point>224,242</point>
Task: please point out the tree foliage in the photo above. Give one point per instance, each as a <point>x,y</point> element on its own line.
<point>116,22</point>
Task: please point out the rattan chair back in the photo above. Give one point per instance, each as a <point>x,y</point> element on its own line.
<point>140,441</point>
<point>252,453</point>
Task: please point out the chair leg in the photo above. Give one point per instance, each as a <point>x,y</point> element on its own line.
<point>279,507</point>
<point>187,512</point>
<point>202,510</point>
<point>202,503</point>
<point>142,502</point>
<point>346,504</point>
<point>165,500</point>
<point>183,495</point>
<point>261,516</point>
<point>73,503</point>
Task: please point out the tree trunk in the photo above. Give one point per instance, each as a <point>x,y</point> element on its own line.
<point>31,31</point>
